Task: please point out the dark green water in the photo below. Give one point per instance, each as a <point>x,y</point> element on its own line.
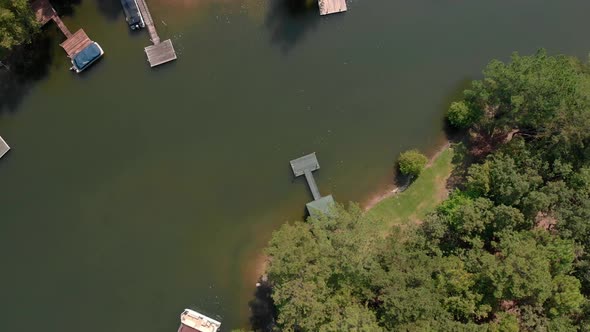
<point>132,193</point>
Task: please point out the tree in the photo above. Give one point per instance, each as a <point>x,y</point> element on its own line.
<point>412,162</point>
<point>460,115</point>
<point>17,23</point>
<point>508,251</point>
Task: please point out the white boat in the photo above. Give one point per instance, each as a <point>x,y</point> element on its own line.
<point>191,321</point>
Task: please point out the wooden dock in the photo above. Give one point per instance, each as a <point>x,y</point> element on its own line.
<point>44,12</point>
<point>3,147</point>
<point>305,166</point>
<point>332,6</point>
<point>160,52</point>
<point>76,43</point>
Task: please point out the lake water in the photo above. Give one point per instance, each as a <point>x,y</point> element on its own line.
<point>132,193</point>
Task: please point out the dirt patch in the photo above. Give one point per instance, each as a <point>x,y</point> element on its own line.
<point>545,221</point>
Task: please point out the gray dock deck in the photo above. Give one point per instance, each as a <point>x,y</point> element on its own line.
<point>160,52</point>
<point>305,166</point>
<point>332,6</point>
<point>3,147</point>
<point>308,162</point>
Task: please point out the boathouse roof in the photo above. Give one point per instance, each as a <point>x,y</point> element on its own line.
<point>322,206</point>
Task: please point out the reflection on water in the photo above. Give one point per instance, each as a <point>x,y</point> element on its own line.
<point>289,20</point>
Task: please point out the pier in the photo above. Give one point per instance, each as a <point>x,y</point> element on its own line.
<point>305,166</point>
<point>3,147</point>
<point>159,52</point>
<point>74,43</point>
<point>332,6</point>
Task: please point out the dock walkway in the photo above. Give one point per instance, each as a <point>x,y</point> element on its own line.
<point>149,22</point>
<point>305,166</point>
<point>3,147</point>
<point>44,12</point>
<point>159,52</point>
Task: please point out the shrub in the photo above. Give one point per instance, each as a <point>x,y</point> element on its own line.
<point>412,162</point>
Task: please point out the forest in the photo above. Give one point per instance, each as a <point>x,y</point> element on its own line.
<point>508,250</point>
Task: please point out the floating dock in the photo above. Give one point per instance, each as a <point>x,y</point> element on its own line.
<point>332,6</point>
<point>305,166</point>
<point>160,52</point>
<point>3,147</point>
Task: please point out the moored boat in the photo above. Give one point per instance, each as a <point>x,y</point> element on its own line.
<point>86,57</point>
<point>192,321</point>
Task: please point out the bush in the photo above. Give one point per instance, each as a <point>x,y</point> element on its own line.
<point>459,115</point>
<point>412,162</point>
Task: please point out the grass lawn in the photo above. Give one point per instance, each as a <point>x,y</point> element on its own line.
<point>421,197</point>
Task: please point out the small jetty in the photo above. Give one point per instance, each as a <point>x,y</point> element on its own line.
<point>159,52</point>
<point>192,321</point>
<point>332,6</point>
<point>3,147</point>
<point>75,43</point>
<point>305,166</point>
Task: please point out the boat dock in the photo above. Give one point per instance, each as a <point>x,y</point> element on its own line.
<point>332,6</point>
<point>159,52</point>
<point>305,166</point>
<point>192,321</point>
<point>74,43</point>
<point>3,147</point>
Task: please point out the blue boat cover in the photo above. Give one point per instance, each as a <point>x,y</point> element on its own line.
<point>86,56</point>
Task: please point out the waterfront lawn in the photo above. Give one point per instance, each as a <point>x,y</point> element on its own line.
<point>421,197</point>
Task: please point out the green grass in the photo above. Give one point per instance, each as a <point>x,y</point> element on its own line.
<point>421,197</point>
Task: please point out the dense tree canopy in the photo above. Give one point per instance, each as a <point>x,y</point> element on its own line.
<point>507,251</point>
<point>17,23</point>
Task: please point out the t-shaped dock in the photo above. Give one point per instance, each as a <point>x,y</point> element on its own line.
<point>306,165</point>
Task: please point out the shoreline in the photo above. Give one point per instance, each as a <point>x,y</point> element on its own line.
<point>262,260</point>
<point>393,189</point>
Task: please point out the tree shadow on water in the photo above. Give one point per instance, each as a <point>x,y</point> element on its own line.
<point>64,7</point>
<point>26,65</point>
<point>262,309</point>
<point>111,9</point>
<point>289,20</point>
